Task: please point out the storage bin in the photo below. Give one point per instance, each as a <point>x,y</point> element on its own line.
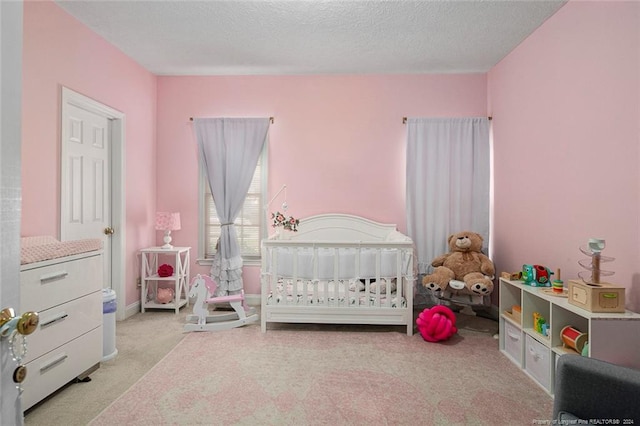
<point>513,342</point>
<point>538,361</point>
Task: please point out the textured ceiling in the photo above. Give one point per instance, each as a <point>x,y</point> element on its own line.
<point>313,37</point>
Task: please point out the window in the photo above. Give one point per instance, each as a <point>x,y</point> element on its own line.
<point>250,223</point>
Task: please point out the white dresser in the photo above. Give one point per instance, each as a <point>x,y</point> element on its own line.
<point>67,294</point>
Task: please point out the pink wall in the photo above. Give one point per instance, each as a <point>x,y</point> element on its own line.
<point>337,141</point>
<point>566,108</point>
<point>59,51</point>
<point>566,140</point>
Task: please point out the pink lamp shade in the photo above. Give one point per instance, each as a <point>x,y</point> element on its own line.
<point>167,222</point>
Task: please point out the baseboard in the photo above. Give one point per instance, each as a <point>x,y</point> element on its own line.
<point>253,299</point>
<point>132,309</point>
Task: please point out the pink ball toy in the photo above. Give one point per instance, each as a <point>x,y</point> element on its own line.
<point>437,323</point>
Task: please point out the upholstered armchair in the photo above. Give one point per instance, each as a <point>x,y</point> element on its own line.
<point>590,389</point>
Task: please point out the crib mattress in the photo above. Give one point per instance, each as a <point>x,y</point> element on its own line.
<point>342,293</point>
<point>38,249</point>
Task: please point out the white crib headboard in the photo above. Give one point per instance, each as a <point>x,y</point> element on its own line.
<point>337,227</point>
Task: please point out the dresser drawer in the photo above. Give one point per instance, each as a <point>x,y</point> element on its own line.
<point>44,287</point>
<point>538,362</point>
<point>513,342</point>
<point>63,322</point>
<point>54,369</point>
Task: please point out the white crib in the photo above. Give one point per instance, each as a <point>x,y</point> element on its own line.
<point>338,269</point>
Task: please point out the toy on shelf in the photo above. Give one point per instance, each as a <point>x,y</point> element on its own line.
<point>558,284</point>
<point>165,295</point>
<point>540,324</point>
<point>536,275</point>
<point>589,292</point>
<point>594,250</point>
<point>165,270</point>
<point>574,339</point>
<point>513,276</point>
<point>515,313</point>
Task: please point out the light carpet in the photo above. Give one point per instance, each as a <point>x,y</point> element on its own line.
<point>332,375</point>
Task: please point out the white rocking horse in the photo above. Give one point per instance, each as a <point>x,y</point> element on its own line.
<point>202,287</point>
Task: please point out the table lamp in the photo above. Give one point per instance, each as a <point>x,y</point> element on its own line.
<point>167,222</point>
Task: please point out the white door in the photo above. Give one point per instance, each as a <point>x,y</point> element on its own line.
<point>10,204</point>
<point>86,170</point>
<point>92,187</point>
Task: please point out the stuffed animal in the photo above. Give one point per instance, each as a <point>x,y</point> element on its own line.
<point>464,270</point>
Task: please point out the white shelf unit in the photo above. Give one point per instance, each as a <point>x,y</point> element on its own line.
<point>152,258</point>
<point>613,337</point>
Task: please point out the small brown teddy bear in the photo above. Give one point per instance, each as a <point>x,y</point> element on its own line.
<point>464,263</point>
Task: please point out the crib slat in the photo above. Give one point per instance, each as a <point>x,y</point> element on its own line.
<point>273,279</point>
<point>378,266</point>
<point>336,269</point>
<point>315,273</point>
<point>399,281</point>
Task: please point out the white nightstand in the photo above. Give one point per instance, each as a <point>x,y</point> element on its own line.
<point>152,258</point>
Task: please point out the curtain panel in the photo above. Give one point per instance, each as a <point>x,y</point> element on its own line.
<point>448,182</point>
<point>229,149</point>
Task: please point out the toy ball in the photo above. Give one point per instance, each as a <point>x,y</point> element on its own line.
<point>437,323</point>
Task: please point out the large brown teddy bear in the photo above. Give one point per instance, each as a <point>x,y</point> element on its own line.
<point>470,270</point>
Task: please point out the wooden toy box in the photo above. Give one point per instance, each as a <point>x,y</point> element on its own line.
<point>602,297</point>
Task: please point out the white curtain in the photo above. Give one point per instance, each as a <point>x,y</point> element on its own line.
<point>229,148</point>
<point>448,179</point>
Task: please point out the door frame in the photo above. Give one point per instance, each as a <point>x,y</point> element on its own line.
<point>117,182</point>
<point>11,14</point>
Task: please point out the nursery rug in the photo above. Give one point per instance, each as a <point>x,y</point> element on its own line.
<point>332,375</point>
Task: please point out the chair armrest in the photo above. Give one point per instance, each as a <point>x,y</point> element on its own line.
<point>593,389</point>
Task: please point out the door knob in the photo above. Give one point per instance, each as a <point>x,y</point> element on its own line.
<point>28,323</point>
<point>25,324</point>
<point>6,315</point>
<point>109,230</point>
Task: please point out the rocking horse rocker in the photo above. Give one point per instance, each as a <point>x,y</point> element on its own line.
<point>202,287</point>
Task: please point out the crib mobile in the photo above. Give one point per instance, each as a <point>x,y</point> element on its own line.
<point>202,287</point>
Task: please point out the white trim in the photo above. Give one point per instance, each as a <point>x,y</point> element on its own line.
<point>253,299</point>
<point>11,36</point>
<point>132,309</point>
<point>118,190</point>
<point>201,188</point>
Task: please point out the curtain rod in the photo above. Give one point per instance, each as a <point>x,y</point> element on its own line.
<point>404,119</point>
<point>270,119</point>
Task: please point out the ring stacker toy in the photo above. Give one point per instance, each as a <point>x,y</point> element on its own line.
<point>557,287</point>
<point>202,287</point>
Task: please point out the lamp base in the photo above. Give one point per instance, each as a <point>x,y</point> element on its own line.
<point>167,241</point>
